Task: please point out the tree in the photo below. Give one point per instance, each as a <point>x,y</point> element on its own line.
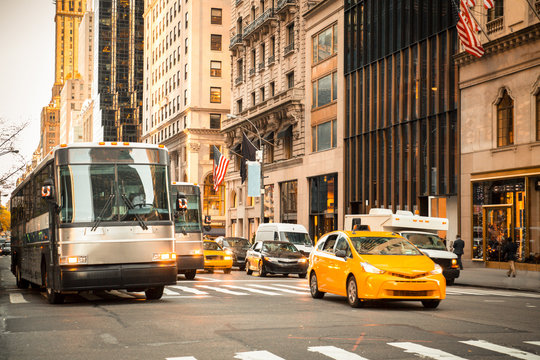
<point>15,165</point>
<point>5,219</point>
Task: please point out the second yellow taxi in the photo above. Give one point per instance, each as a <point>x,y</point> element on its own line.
<point>364,265</point>
<point>216,258</point>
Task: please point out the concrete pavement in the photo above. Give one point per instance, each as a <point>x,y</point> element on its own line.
<point>474,275</point>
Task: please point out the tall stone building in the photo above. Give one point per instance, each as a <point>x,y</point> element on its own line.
<point>50,129</point>
<point>268,99</point>
<point>187,90</point>
<point>500,136</point>
<point>401,107</point>
<point>117,89</point>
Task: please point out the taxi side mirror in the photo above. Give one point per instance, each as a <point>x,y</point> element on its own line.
<point>341,254</point>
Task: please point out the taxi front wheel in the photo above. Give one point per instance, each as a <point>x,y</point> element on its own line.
<point>314,287</point>
<point>352,293</point>
<point>430,304</point>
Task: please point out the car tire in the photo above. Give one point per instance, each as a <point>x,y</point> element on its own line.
<point>262,272</point>
<point>53,297</point>
<point>352,293</point>
<point>21,283</point>
<point>242,267</point>
<point>248,270</point>
<point>431,304</point>
<point>190,274</point>
<point>302,275</point>
<point>314,287</point>
<point>227,271</point>
<point>449,282</point>
<point>154,293</point>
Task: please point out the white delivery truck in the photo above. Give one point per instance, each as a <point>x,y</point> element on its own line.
<point>420,230</point>
<point>293,233</point>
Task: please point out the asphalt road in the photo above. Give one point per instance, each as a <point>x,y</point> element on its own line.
<point>236,316</point>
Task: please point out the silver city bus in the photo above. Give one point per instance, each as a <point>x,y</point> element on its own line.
<point>186,198</point>
<point>95,217</point>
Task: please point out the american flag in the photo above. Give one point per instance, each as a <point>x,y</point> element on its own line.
<point>220,167</point>
<point>488,4</point>
<point>466,27</point>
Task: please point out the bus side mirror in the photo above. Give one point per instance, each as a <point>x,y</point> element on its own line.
<point>181,204</point>
<point>47,191</point>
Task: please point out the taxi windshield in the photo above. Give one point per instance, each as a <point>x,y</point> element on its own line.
<point>210,245</point>
<point>366,245</point>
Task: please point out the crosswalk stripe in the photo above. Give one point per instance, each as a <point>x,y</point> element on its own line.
<point>188,289</point>
<point>182,358</point>
<point>304,288</point>
<point>257,355</point>
<point>17,299</point>
<point>335,353</point>
<point>225,291</point>
<point>533,342</point>
<point>170,292</point>
<point>252,290</point>
<point>502,349</point>
<point>278,289</point>
<point>424,351</point>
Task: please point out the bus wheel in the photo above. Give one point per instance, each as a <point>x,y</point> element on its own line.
<point>21,283</point>
<point>54,297</point>
<point>190,274</point>
<point>154,293</point>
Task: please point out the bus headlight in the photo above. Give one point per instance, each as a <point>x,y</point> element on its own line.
<point>164,257</point>
<point>73,260</point>
<point>454,264</point>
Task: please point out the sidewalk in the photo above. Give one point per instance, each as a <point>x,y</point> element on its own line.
<point>496,278</point>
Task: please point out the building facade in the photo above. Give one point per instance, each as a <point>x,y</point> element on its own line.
<point>187,90</point>
<point>117,88</point>
<point>401,123</point>
<point>50,129</point>
<point>268,101</point>
<point>500,136</point>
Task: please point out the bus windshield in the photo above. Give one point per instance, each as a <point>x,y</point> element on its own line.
<point>113,192</point>
<point>189,220</point>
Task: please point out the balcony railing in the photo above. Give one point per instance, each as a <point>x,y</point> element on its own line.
<point>288,49</point>
<point>495,25</point>
<point>261,66</point>
<point>251,71</point>
<point>258,22</point>
<point>239,79</point>
<point>283,4</point>
<point>271,60</point>
<point>236,40</point>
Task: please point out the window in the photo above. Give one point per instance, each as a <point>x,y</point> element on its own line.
<point>272,88</point>
<point>262,94</point>
<point>505,120</point>
<point>324,136</point>
<point>215,121</point>
<point>215,95</point>
<point>186,22</point>
<point>215,16</point>
<point>324,44</point>
<point>496,11</point>
<point>290,80</point>
<point>253,98</point>
<point>215,42</point>
<point>215,68</point>
<point>239,105</point>
<point>290,34</point>
<point>324,90</point>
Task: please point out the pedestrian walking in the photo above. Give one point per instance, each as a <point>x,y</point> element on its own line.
<point>458,246</point>
<point>509,252</point>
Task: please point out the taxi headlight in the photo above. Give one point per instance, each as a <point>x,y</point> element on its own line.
<point>437,270</point>
<point>371,269</point>
<point>228,252</point>
<point>163,257</point>
<point>73,260</point>
<point>196,252</point>
<point>228,257</point>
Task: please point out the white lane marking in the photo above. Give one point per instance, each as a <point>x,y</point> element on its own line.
<point>257,355</point>
<point>225,291</point>
<point>121,294</point>
<point>278,289</point>
<point>17,299</point>
<point>502,349</point>
<point>188,289</point>
<point>480,292</point>
<point>182,358</point>
<point>170,292</point>
<point>206,278</point>
<point>424,351</point>
<point>335,353</point>
<point>252,290</point>
<point>306,288</point>
<point>533,342</point>
<point>109,339</point>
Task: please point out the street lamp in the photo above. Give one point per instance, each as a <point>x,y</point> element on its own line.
<point>259,158</point>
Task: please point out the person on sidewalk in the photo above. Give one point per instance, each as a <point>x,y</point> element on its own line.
<point>509,251</point>
<point>458,246</point>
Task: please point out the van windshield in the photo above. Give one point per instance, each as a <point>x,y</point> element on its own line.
<point>425,241</point>
<point>296,238</point>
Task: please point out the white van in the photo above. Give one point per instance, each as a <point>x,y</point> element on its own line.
<point>293,233</point>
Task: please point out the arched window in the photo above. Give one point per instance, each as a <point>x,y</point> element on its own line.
<point>234,199</point>
<point>213,201</point>
<point>505,120</point>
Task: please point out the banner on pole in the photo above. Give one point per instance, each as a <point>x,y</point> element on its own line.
<point>254,178</point>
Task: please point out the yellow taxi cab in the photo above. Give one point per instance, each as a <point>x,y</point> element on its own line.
<point>216,258</point>
<point>366,265</point>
